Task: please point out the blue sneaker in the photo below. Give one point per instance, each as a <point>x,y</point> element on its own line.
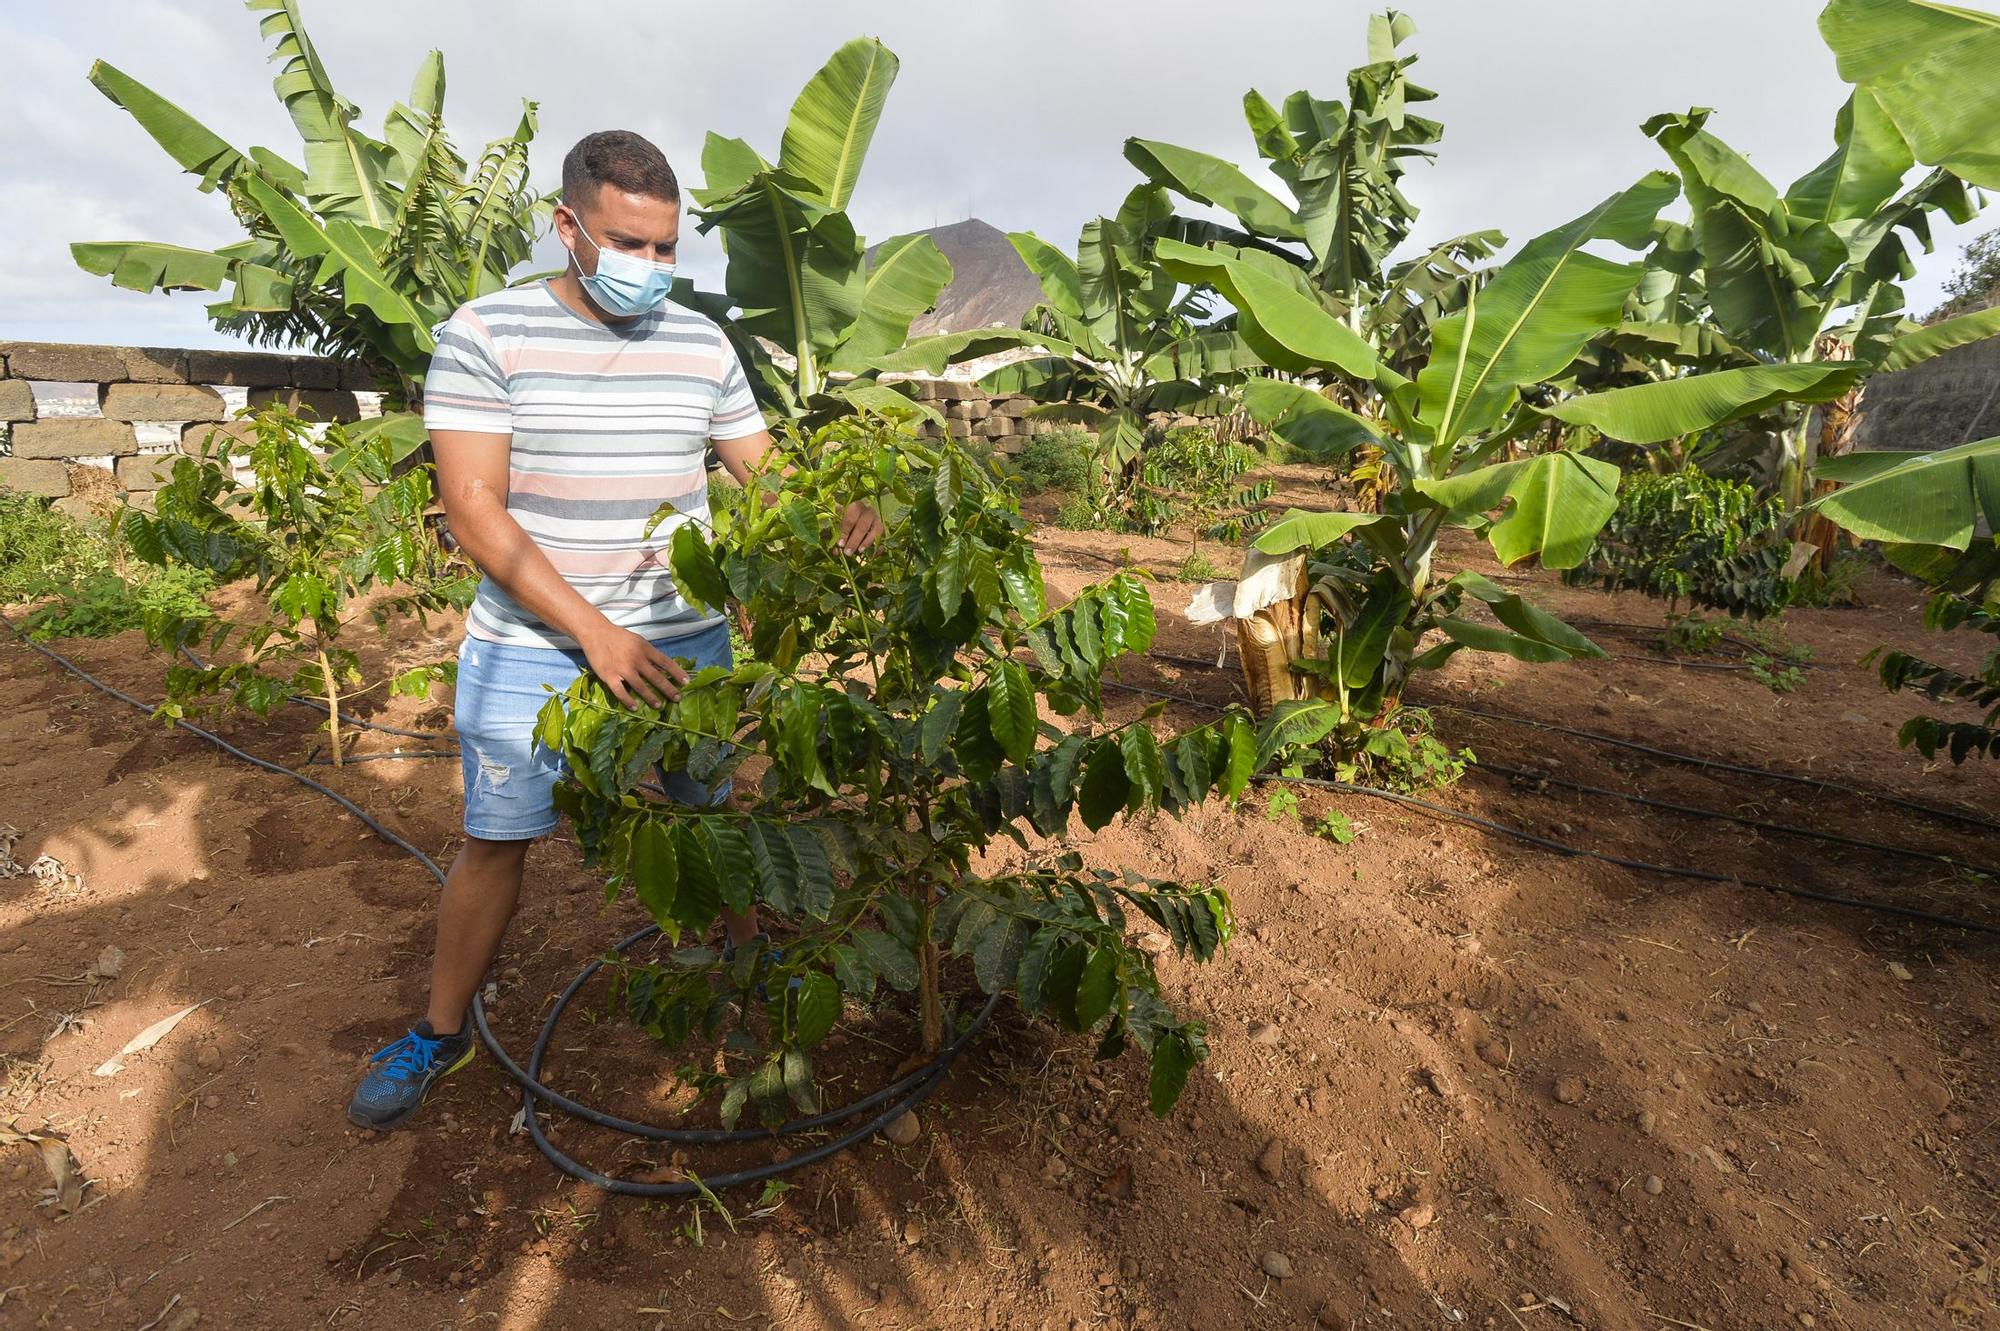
<point>403,1073</point>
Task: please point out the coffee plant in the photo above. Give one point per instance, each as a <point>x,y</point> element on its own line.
<point>1966,597</point>
<point>328,531</point>
<point>893,700</point>
<point>1695,538</point>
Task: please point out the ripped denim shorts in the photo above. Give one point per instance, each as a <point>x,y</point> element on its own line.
<point>508,776</point>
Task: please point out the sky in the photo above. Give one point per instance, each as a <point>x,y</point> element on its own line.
<point>1013,113</point>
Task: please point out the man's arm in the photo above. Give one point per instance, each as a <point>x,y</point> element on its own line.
<point>472,482</point>
<point>860,525</point>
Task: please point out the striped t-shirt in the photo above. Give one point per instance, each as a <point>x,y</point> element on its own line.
<point>607,425</point>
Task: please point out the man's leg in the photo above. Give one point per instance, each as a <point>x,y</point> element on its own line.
<point>480,894</point>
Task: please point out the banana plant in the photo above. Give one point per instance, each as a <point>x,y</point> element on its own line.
<point>361,251</point>
<point>799,278</point>
<point>1813,275</point>
<point>1114,339</point>
<point>1334,608</point>
<point>1343,164</point>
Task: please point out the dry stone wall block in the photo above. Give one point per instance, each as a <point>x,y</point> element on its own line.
<point>959,429</point>
<point>146,473</point>
<point>154,365</point>
<point>74,437</point>
<point>994,427</point>
<point>314,372</point>
<point>316,404</point>
<point>17,400</point>
<point>159,402</point>
<point>240,369</point>
<point>65,363</point>
<point>34,476</point>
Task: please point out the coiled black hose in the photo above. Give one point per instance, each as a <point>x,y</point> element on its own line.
<point>899,1096</point>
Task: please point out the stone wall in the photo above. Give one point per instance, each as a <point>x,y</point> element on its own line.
<point>1942,403</point>
<point>151,404</point>
<point>971,413</point>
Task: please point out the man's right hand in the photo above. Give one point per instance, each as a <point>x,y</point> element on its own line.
<point>633,669</point>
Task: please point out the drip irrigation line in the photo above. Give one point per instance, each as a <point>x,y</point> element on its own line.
<point>1821,783</point>
<point>1703,875</point>
<point>1642,866</point>
<point>900,1095</point>
<point>300,700</point>
<point>1697,811</point>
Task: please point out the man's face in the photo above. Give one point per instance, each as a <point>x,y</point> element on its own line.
<point>635,224</point>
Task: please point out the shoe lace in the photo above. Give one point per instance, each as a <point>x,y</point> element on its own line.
<point>409,1057</point>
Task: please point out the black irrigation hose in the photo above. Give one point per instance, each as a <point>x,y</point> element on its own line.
<point>1821,783</point>
<point>906,1091</point>
<point>1642,866</point>
<point>302,701</point>
<point>1834,838</point>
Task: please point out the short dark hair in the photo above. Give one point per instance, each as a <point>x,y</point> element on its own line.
<point>621,158</point>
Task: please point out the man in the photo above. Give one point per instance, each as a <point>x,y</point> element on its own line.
<point>563,414</point>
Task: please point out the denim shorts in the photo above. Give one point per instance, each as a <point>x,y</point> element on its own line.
<point>508,776</point>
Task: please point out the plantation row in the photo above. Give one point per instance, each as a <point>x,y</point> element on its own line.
<point>1642,401</point>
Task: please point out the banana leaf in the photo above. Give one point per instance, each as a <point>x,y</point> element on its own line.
<point>1931,67</point>
<point>1915,499</point>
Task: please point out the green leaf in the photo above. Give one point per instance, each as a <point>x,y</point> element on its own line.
<point>1532,318</point>
<point>654,872</point>
<point>1292,724</point>
<point>1302,529</point>
<point>886,957</point>
<point>1105,787</point>
<point>699,894</point>
<point>819,1008</point>
<point>1145,768</point>
<point>905,275</point>
<point>197,150</point>
<point>1287,327</point>
<point>1010,709</point>
<point>1652,412</point>
<point>997,954</point>
<point>816,885</point>
<point>1559,502</point>
<point>1930,65</point>
<point>1921,344</point>
<point>1212,181</point>
<point>776,865</point>
<point>833,120</point>
<point>939,723</point>
<point>1486,638</point>
<point>1306,420</point>
<point>1864,172</point>
<point>1925,499</point>
<point>1096,986</point>
<point>695,570</point>
<point>139,265</point>
<point>1174,1055</point>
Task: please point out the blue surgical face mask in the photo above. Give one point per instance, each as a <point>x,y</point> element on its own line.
<point>624,284</point>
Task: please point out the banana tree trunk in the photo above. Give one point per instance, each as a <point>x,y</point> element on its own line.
<point>1839,426</point>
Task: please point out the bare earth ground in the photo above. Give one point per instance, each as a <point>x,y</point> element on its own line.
<point>1456,1081</point>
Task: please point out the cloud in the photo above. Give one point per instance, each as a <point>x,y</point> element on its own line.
<point>1012,113</point>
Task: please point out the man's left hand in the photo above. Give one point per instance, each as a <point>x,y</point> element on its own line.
<point>860,527</point>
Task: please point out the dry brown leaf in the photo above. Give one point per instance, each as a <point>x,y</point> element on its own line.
<point>144,1040</point>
